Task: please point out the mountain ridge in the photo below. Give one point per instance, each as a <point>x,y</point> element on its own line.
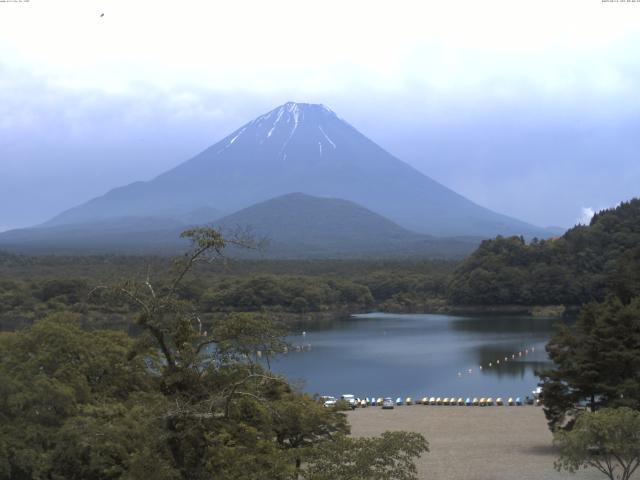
<point>295,226</point>
<point>299,147</point>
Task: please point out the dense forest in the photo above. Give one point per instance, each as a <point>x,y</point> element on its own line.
<point>174,401</point>
<point>178,391</point>
<point>32,287</point>
<point>583,265</point>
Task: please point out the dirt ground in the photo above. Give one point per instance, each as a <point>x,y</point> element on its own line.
<point>473,443</point>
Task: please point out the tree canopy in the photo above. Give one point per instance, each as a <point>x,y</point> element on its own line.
<point>583,265</point>
<point>177,401</point>
<point>607,440</point>
<point>596,362</point>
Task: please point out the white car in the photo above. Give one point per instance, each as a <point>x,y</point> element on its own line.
<point>387,403</point>
<point>329,401</point>
<point>350,399</point>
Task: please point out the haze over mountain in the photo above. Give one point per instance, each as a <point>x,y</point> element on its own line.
<point>295,225</point>
<point>306,148</point>
<point>131,235</point>
<point>299,225</point>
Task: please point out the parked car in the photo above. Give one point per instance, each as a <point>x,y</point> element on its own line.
<point>328,401</point>
<point>350,399</point>
<point>387,403</point>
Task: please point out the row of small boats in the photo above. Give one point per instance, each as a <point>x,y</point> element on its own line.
<point>450,401</point>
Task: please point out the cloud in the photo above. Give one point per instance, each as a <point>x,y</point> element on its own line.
<point>586,216</point>
<point>515,156</point>
<point>486,97</point>
<point>447,49</point>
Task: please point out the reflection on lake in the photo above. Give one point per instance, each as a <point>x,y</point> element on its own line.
<point>416,355</point>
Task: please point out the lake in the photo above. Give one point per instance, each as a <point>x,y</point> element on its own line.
<point>404,355</point>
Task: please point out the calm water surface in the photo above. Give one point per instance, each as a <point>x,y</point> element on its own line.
<point>416,355</point>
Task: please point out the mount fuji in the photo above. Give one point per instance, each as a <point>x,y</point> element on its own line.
<point>297,147</point>
<point>307,148</point>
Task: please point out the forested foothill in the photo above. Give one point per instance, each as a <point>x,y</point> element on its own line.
<point>585,264</point>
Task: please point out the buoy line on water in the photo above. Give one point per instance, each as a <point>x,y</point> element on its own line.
<point>507,358</point>
<point>442,401</point>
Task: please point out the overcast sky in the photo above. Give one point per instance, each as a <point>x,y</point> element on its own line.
<point>531,108</point>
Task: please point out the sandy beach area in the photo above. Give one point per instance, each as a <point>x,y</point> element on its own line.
<point>473,443</point>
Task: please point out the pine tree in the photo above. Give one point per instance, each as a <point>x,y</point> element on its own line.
<point>597,362</point>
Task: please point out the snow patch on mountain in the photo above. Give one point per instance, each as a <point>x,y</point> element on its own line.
<point>278,117</point>
<point>236,137</point>
<point>327,137</point>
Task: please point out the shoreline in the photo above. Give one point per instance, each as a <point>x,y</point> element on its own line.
<point>538,311</point>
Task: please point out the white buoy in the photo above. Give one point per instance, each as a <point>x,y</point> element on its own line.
<point>480,367</point>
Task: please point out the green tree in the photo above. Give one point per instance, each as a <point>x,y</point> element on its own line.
<point>625,277</point>
<point>596,362</point>
<point>51,373</point>
<point>181,400</point>
<point>585,264</point>
<point>607,440</point>
<point>114,441</point>
<point>223,395</point>
<point>302,422</point>
<point>388,457</point>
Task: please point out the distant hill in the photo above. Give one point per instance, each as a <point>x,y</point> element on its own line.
<point>306,148</point>
<point>299,225</point>
<point>294,226</point>
<point>135,235</point>
<point>584,264</point>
